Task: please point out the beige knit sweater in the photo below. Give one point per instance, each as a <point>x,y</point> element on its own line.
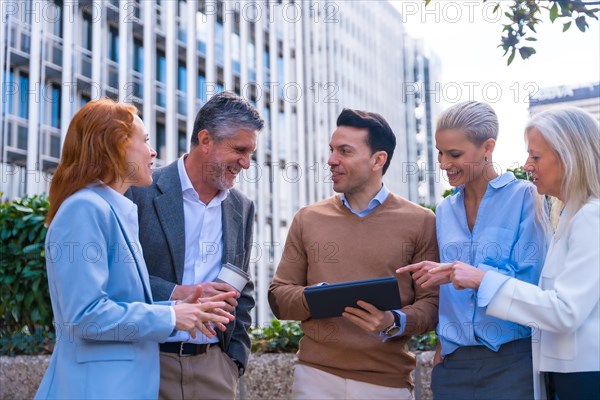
<point>328,243</point>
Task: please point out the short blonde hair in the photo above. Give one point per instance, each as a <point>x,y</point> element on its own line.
<point>476,119</point>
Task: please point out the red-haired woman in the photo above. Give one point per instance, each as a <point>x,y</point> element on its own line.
<point>107,326</point>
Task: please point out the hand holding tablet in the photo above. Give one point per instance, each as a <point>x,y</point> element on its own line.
<point>330,300</point>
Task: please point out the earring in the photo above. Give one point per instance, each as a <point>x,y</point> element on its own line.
<point>485,158</point>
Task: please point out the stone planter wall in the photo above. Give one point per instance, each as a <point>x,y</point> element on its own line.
<point>269,376</point>
<point>422,375</point>
<point>20,376</point>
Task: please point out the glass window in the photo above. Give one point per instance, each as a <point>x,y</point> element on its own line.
<point>86,32</point>
<point>182,77</point>
<point>201,88</point>
<point>182,143</point>
<point>219,44</point>
<point>84,100</point>
<point>182,25</point>
<point>281,134</point>
<point>266,64</point>
<point>251,56</point>
<point>54,17</point>
<point>27,12</point>
<point>160,140</point>
<point>55,106</point>
<point>138,88</point>
<point>113,44</point>
<point>267,119</point>
<point>23,106</point>
<point>201,25</point>
<point>235,42</point>
<point>138,56</point>
<point>280,75</point>
<point>161,66</point>
<point>235,54</point>
<point>182,8</point>
<point>8,91</point>
<point>202,48</point>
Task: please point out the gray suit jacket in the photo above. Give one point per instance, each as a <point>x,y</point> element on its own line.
<point>162,235</point>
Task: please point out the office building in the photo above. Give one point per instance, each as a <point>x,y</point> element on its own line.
<point>299,62</point>
<point>585,96</point>
<point>421,94</point>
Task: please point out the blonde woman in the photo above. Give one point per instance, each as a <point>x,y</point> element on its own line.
<point>564,155</point>
<point>490,222</point>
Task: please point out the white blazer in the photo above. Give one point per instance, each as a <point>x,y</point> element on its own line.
<point>563,308</point>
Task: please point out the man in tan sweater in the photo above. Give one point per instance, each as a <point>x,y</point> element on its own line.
<point>363,232</point>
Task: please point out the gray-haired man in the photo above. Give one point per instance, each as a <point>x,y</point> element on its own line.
<point>191,223</point>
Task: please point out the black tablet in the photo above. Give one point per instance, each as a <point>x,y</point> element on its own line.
<point>327,301</point>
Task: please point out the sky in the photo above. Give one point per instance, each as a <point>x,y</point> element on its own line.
<point>465,36</point>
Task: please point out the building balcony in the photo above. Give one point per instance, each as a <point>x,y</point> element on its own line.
<point>160,25</point>
<point>53,58</point>
<point>15,139</point>
<point>134,12</point>
<point>181,33</point>
<point>49,147</point>
<point>83,63</point>
<point>19,40</point>
<point>161,95</point>
<point>181,103</point>
<point>137,86</point>
<point>112,74</point>
<point>201,46</point>
<point>54,51</point>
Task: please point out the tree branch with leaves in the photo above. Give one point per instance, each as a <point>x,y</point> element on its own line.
<point>524,16</point>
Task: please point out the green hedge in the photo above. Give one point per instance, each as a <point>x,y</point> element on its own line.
<point>26,325</point>
<point>284,337</point>
<point>25,308</point>
<point>277,337</point>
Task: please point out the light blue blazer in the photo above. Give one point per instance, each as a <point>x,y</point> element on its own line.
<point>107,328</point>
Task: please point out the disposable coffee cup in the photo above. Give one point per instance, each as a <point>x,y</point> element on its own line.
<point>233,276</point>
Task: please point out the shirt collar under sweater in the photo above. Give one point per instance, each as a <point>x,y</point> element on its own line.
<point>373,204</point>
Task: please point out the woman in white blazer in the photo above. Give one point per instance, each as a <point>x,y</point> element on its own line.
<point>564,160</point>
<point>107,327</point>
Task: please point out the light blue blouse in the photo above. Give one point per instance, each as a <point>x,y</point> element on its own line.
<point>507,238</point>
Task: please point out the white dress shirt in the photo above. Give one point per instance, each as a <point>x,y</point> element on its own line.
<point>203,242</point>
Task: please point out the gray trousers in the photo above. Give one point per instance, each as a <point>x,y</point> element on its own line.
<point>476,372</point>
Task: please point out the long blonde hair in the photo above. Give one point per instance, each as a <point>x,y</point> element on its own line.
<point>575,137</point>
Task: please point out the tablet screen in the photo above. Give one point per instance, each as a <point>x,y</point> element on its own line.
<point>330,300</point>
